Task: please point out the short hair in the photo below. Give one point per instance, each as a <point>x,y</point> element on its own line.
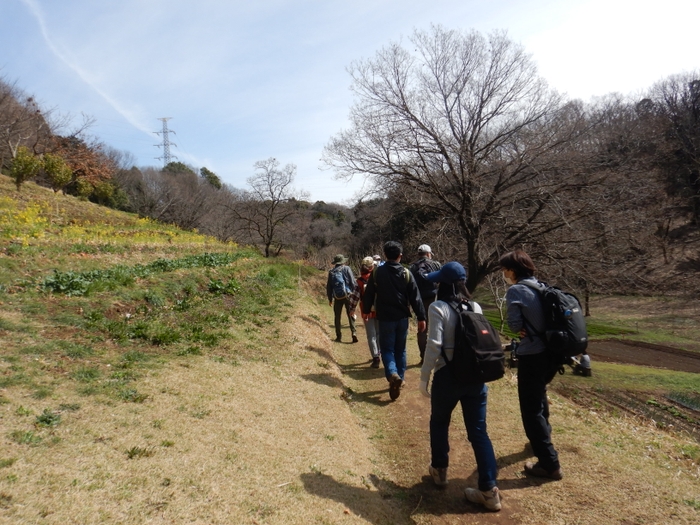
<point>392,250</point>
<point>519,262</point>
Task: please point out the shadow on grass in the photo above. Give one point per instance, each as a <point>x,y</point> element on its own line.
<point>324,379</point>
<point>383,501</point>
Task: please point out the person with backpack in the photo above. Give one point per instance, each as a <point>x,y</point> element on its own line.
<point>392,291</point>
<point>536,368</point>
<point>366,268</point>
<point>448,389</point>
<point>340,284</point>
<point>420,268</point>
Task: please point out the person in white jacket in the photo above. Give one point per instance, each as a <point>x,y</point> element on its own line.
<point>445,392</point>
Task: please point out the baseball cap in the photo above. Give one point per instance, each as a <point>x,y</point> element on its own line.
<point>449,273</point>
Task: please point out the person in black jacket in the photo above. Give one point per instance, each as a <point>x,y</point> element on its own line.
<point>393,292</point>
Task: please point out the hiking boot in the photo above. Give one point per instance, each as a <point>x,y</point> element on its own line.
<point>338,339</point>
<point>439,475</point>
<point>491,499</point>
<point>534,469</point>
<point>375,362</point>
<point>395,386</point>
<point>354,338</point>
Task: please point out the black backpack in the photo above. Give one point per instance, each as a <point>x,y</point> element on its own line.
<point>478,354</point>
<point>565,332</point>
<point>419,269</point>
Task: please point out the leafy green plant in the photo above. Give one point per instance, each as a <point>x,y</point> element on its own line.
<point>86,374</point>
<point>4,463</point>
<point>75,350</point>
<point>131,395</point>
<point>190,350</point>
<point>154,299</point>
<point>25,437</point>
<point>48,419</point>
<point>140,452</point>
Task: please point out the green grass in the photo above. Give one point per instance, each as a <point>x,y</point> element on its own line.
<point>636,378</point>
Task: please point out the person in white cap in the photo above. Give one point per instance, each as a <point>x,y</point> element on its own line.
<point>420,268</point>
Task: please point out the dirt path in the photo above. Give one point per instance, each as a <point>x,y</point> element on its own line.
<point>401,433</point>
<point>406,443</point>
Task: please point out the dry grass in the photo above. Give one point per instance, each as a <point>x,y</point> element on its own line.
<point>268,441</point>
<point>304,432</point>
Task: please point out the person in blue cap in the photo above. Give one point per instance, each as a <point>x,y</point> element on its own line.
<point>446,392</point>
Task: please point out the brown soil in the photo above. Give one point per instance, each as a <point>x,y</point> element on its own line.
<point>644,354</point>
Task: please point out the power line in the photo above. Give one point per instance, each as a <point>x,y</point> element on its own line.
<point>166,157</point>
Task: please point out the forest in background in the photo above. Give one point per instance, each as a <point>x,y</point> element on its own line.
<point>465,148</point>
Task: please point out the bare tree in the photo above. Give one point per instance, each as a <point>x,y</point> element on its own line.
<point>272,201</point>
<point>22,123</point>
<point>462,125</point>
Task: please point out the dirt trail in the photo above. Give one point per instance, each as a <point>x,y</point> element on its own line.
<point>401,434</point>
<point>406,444</point>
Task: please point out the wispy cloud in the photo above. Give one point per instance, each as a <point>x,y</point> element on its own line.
<point>38,15</point>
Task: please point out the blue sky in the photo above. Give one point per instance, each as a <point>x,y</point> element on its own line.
<point>247,80</point>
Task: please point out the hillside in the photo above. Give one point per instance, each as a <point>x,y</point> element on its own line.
<point>151,375</point>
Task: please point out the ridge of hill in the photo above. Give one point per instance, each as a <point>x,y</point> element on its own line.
<point>160,385</point>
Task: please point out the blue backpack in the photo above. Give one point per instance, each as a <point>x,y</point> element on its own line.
<point>340,290</point>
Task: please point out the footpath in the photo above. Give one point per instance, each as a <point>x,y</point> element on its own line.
<point>615,470</point>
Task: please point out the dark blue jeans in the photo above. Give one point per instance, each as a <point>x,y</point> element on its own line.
<point>534,372</point>
<point>392,345</point>
<point>445,394</point>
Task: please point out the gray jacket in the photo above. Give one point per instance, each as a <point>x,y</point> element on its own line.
<point>525,312</point>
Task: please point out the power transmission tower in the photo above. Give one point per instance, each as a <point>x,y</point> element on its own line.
<point>166,157</point>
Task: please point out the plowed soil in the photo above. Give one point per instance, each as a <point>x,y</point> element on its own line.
<point>645,354</point>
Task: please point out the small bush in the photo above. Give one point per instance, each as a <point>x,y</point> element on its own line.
<point>132,395</point>
<point>85,374</point>
<point>7,462</point>
<point>25,437</point>
<point>139,452</point>
<point>48,419</point>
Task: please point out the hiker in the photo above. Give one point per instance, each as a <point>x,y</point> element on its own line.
<point>392,289</point>
<point>535,369</point>
<point>366,268</point>
<point>340,284</point>
<point>446,392</point>
<point>419,268</point>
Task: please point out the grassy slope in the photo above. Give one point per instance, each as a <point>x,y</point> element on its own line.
<point>244,416</point>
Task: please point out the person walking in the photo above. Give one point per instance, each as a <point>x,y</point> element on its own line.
<point>340,284</point>
<point>446,392</point>
<point>535,370</point>
<point>420,268</point>
<point>393,291</point>
<point>366,268</point>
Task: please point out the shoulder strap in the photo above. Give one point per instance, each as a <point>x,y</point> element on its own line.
<point>538,286</point>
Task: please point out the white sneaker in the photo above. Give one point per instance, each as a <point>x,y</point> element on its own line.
<point>439,475</point>
<point>491,499</point>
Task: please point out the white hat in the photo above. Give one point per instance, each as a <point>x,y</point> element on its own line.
<point>424,248</point>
